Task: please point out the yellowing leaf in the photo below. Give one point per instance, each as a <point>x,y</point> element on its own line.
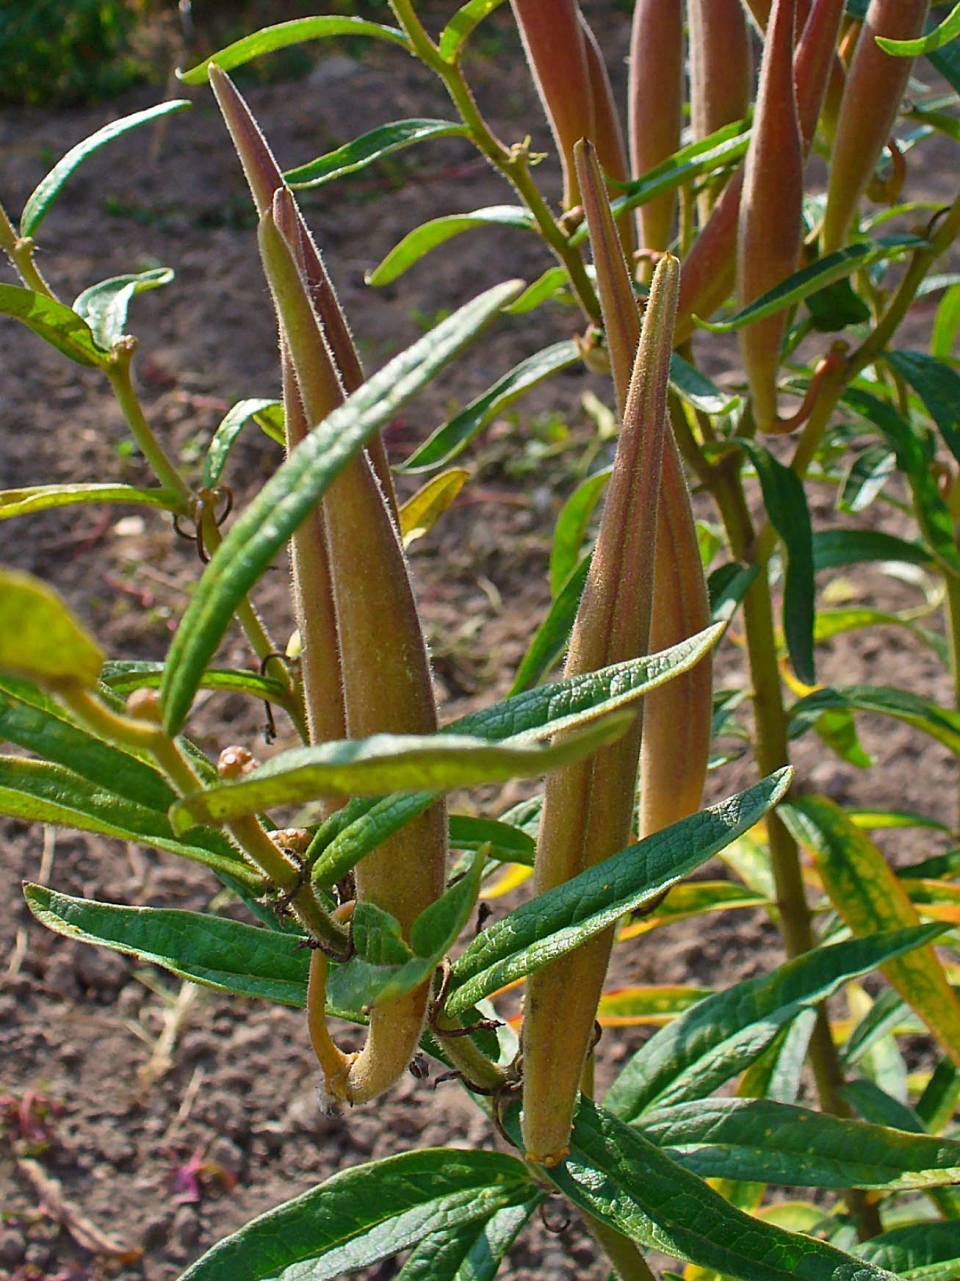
<point>419,514</point>
<point>41,639</point>
<point>870,898</point>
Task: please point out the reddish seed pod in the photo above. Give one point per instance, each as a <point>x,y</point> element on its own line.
<point>771,208</point>
<point>655,108</point>
<point>871,98</point>
<point>553,38</point>
<point>721,72</point>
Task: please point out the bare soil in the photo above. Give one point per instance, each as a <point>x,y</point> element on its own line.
<point>145,1120</point>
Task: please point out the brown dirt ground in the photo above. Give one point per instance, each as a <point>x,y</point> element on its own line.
<point>141,1075</point>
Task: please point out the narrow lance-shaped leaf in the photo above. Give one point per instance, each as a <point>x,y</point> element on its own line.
<point>225,437</point>
<point>723,1035</point>
<point>260,532</point>
<point>770,1142</point>
<point>938,386</point>
<point>368,1213</point>
<point>422,510</point>
<point>285,34</point>
<point>60,326</point>
<point>369,148</point>
<point>229,955</point>
<point>455,434</point>
<point>941,723</point>
<point>615,1174</point>
<point>41,639</point>
<point>438,231</point>
<point>386,763</point>
<point>786,506</point>
<point>560,919</point>
<point>461,25</point>
<point>869,897</point>
<point>47,190</point>
<point>35,498</point>
<point>917,1252</point>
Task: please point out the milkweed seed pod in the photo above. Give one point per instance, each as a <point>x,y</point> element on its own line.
<point>655,109</point>
<point>553,37</point>
<point>264,178</point>
<point>607,133</point>
<point>849,34</point>
<point>771,207</point>
<point>721,73</point>
<point>677,718</point>
<point>385,671</point>
<point>760,9</point>
<point>816,64</point>
<point>588,808</point>
<point>872,94</point>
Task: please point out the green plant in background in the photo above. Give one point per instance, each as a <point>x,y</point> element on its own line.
<point>719,233</point>
<point>62,51</point>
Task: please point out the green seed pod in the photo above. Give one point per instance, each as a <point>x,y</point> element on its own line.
<point>816,64</point>
<point>588,807</point>
<point>721,73</point>
<point>607,134</point>
<point>771,208</point>
<point>655,108</point>
<point>871,98</point>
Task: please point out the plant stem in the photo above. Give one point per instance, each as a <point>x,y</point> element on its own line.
<point>512,162</point>
<point>626,1257</point>
<point>952,585</point>
<point>119,373</point>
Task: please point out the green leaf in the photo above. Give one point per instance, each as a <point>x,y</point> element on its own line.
<point>724,1034</point>
<point>125,677</point>
<point>368,1213</point>
<point>835,622</point>
<point>948,30</point>
<point>229,955</point>
<point>938,386</point>
<point>940,723</point>
<point>40,792</point>
<point>786,505</point>
<point>869,897</point>
<point>865,478</point>
<point>369,148</point>
<point>470,1253</point>
<point>946,324</point>
<point>837,306</point>
<point>503,842</point>
<point>767,1142</point>
<point>104,306</point>
<point>693,386</point>
<point>550,284</point>
<point>919,1252</point>
<point>292,492</point>
<point>376,975</point>
<point>461,25</point>
<point>420,513</point>
<point>455,434</point>
<point>726,587</point>
<point>615,1174</point>
<point>284,34</point>
<point>36,723</point>
<point>947,62</point>
<point>528,717</point>
<point>387,763</point>
<point>46,192</point>
<point>226,435</point>
<point>818,275</point>
<point>437,231</point>
<point>572,525</point>
<point>717,151</point>
<point>36,498</point>
<point>558,921</point>
<point>41,639</point>
<point>934,517</point>
<point>551,637</point>
<point>833,548</point>
<point>60,326</point>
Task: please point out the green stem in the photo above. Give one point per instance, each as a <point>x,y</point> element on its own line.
<point>952,585</point>
<point>512,162</point>
<point>19,249</point>
<point>626,1257</point>
<point>476,1068</point>
<point>119,373</point>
